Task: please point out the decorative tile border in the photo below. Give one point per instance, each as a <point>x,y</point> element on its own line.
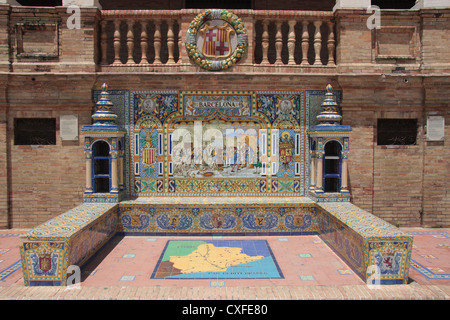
<point>427,272</point>
<point>443,234</point>
<point>210,219</point>
<point>10,270</point>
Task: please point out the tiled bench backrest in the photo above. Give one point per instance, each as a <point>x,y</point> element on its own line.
<point>370,245</point>
<point>69,239</point>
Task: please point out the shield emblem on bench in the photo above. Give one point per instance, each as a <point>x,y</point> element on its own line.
<point>45,261</point>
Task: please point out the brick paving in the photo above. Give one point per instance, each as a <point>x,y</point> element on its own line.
<point>343,292</point>
<point>429,279</point>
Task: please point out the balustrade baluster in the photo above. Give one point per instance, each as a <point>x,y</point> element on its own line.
<point>130,41</point>
<point>265,42</point>
<point>317,42</point>
<point>253,39</point>
<point>117,41</point>
<point>157,42</point>
<point>103,42</point>
<point>144,42</point>
<point>170,42</point>
<point>291,41</point>
<point>179,43</point>
<point>305,42</point>
<point>331,43</point>
<point>278,43</point>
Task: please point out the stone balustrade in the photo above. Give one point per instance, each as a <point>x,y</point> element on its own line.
<point>304,38</point>
<point>127,37</point>
<point>145,39</point>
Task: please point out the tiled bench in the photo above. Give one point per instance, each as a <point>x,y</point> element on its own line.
<point>366,243</point>
<point>69,239</point>
<point>373,248</point>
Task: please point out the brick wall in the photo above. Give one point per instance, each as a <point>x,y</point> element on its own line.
<point>3,163</point>
<point>405,185</point>
<point>45,180</point>
<point>399,184</point>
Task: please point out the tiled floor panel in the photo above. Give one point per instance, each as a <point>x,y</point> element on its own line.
<point>292,261</point>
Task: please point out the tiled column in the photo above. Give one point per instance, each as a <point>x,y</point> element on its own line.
<point>319,168</point>
<point>121,155</point>
<point>344,173</point>
<point>88,172</point>
<point>313,171</point>
<point>114,171</point>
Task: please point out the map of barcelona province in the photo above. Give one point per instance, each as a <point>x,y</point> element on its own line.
<point>231,259</point>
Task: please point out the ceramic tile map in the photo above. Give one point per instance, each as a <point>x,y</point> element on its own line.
<point>217,259</point>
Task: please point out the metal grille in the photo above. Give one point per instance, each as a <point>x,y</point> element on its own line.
<point>35,131</point>
<point>396,132</point>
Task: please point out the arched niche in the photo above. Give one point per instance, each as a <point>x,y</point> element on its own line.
<point>101,167</point>
<point>332,166</point>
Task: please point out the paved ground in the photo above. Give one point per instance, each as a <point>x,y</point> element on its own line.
<point>308,269</point>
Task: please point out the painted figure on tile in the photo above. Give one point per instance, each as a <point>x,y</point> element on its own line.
<point>236,161</point>
<point>287,149</point>
<point>388,262</point>
<point>286,107</point>
<point>149,105</point>
<point>260,220</point>
<point>174,221</point>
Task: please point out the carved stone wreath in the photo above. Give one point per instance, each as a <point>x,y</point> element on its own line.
<point>221,62</point>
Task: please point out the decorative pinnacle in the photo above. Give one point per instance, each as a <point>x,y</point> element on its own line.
<point>104,113</point>
<point>330,112</point>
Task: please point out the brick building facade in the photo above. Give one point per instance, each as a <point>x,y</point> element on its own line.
<point>401,71</point>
